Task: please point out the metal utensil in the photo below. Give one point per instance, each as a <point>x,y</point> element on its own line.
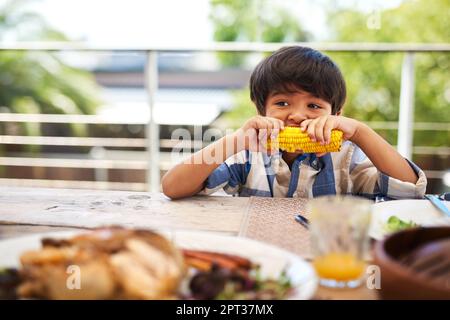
<point>445,196</point>
<point>302,220</point>
<point>438,204</point>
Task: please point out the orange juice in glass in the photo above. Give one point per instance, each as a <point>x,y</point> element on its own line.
<point>339,239</point>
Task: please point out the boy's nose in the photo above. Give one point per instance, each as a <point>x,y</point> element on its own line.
<point>296,118</point>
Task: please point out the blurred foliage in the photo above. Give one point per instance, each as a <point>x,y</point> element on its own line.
<point>373,79</point>
<point>242,110</point>
<point>252,20</point>
<point>39,82</point>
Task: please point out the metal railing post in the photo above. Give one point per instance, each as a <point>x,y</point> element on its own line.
<point>151,84</point>
<point>406,112</point>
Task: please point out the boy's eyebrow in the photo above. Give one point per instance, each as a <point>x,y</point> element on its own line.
<point>287,93</point>
<point>280,93</point>
<point>309,95</point>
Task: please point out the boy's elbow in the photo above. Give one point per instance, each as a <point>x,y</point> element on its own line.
<point>168,188</point>
<point>171,187</point>
<point>170,194</point>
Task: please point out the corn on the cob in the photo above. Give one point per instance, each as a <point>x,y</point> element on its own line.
<point>292,139</point>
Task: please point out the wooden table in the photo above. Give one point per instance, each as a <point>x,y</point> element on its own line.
<point>25,211</point>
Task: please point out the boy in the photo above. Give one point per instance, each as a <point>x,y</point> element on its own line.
<point>297,86</point>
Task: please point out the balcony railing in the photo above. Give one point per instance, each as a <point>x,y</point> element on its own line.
<point>152,162</point>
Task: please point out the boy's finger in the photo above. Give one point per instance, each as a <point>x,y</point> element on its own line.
<point>275,120</point>
<point>251,139</point>
<point>304,124</point>
<point>270,126</point>
<point>329,125</point>
<point>311,131</point>
<point>273,148</point>
<point>265,125</point>
<point>261,140</point>
<point>274,134</point>
<point>274,123</point>
<point>319,129</point>
<point>262,137</point>
<point>269,123</point>
<point>262,132</point>
<point>261,124</point>
<point>278,124</point>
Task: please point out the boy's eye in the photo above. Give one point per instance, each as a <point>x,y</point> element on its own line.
<point>314,106</point>
<point>282,103</point>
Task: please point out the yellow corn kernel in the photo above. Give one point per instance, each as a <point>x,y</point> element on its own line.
<point>292,139</point>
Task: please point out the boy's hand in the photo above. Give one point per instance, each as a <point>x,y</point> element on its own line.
<point>319,129</point>
<point>254,133</point>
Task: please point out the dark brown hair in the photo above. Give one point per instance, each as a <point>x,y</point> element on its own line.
<point>298,68</point>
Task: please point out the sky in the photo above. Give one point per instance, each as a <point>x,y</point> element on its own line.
<point>137,22</point>
<point>129,22</point>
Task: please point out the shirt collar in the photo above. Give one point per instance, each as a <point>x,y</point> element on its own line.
<point>309,159</point>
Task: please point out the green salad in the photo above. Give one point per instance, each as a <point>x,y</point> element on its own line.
<point>395,224</point>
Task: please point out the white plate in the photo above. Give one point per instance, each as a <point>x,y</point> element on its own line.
<point>421,212</point>
<point>271,259</point>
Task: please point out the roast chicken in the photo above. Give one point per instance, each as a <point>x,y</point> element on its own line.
<point>107,263</point>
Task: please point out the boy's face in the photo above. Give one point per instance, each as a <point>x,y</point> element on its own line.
<point>293,108</point>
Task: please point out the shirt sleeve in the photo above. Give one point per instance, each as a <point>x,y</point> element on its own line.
<point>230,175</point>
<point>368,181</point>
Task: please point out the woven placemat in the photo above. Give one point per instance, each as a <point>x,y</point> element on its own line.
<point>272,220</point>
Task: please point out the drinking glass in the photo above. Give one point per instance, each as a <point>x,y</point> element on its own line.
<point>339,239</point>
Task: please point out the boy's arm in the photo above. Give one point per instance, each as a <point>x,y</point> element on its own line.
<point>383,156</point>
<point>188,177</point>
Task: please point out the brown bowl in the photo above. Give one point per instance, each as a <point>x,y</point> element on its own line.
<point>397,280</point>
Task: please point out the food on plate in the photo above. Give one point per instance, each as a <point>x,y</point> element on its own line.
<point>235,284</point>
<point>395,224</point>
<point>112,263</point>
<point>204,260</point>
<point>9,280</point>
<point>119,263</point>
<point>224,276</point>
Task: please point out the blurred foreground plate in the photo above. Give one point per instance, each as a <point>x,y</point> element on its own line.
<point>271,259</point>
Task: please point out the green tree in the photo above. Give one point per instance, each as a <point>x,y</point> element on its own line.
<point>39,82</point>
<point>253,20</point>
<point>373,79</point>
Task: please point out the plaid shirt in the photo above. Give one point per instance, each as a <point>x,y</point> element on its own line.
<point>346,172</point>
